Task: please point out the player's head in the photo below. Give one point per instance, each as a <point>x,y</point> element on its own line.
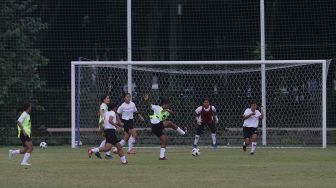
<point>127,97</point>
<point>165,103</point>
<point>253,105</point>
<point>112,106</point>
<point>27,107</point>
<point>206,103</point>
<point>105,99</point>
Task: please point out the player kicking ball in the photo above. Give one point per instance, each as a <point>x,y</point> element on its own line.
<point>159,123</point>
<point>251,119</point>
<point>126,111</point>
<point>110,126</point>
<point>24,129</point>
<point>105,100</point>
<point>206,116</point>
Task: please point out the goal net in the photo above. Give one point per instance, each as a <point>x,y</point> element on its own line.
<point>294,98</point>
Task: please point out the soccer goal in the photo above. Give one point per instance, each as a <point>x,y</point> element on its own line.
<point>293,93</point>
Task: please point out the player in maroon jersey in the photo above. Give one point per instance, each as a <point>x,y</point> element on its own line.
<point>206,116</point>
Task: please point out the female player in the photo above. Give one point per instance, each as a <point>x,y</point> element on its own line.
<point>105,100</point>
<point>126,111</point>
<point>24,129</point>
<point>251,119</point>
<point>110,125</point>
<point>159,122</point>
<point>206,116</point>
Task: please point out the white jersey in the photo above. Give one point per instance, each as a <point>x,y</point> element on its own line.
<point>22,117</point>
<point>199,109</point>
<point>127,110</point>
<point>252,121</point>
<point>107,124</point>
<point>155,118</point>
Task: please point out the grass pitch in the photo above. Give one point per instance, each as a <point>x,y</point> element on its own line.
<point>65,167</point>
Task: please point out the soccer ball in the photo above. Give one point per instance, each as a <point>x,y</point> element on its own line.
<point>43,145</point>
<point>195,152</point>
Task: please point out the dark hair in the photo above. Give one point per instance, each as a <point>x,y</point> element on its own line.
<point>253,102</point>
<point>111,106</point>
<point>26,106</point>
<point>206,99</point>
<point>164,101</point>
<point>127,94</point>
<point>103,98</point>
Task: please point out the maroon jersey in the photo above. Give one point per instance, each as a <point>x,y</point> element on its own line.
<point>206,115</point>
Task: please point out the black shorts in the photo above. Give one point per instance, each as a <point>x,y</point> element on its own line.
<point>157,129</point>
<point>24,139</point>
<point>200,128</point>
<point>249,131</point>
<point>111,137</point>
<point>128,124</point>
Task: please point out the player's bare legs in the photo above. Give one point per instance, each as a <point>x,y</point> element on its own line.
<point>108,147</point>
<point>254,143</point>
<point>246,143</point>
<point>163,145</point>
<point>170,124</point>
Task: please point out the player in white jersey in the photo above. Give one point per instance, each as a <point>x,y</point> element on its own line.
<point>127,111</point>
<point>159,122</point>
<point>105,100</point>
<point>24,133</point>
<point>251,119</point>
<point>110,126</point>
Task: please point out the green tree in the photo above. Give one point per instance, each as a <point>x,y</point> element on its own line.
<point>20,59</point>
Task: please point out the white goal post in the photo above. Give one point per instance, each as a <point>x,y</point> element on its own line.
<point>186,68</point>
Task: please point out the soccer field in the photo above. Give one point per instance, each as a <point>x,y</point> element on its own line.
<point>65,167</point>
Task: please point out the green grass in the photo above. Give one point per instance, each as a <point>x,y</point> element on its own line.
<point>65,167</point>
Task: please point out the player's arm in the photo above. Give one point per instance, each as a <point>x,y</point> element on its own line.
<point>246,116</point>
<point>262,112</point>
<point>148,102</point>
<point>20,122</point>
<point>170,111</point>
<point>215,115</point>
<point>21,127</point>
<point>137,113</point>
<point>198,115</point>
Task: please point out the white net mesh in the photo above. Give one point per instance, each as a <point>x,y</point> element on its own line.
<point>293,95</point>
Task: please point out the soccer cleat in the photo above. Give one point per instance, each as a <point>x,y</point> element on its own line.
<point>244,148</point>
<point>90,152</point>
<point>97,154</point>
<point>124,163</point>
<point>194,146</point>
<point>10,154</point>
<point>252,153</point>
<point>132,151</point>
<point>162,158</point>
<point>25,164</point>
<point>108,157</point>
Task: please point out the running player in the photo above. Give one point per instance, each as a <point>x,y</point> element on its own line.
<point>126,111</point>
<point>159,122</point>
<point>251,119</point>
<point>110,126</point>
<point>206,116</point>
<point>105,100</point>
<point>24,133</point>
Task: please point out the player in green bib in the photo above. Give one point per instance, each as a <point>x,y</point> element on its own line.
<point>24,133</point>
<point>159,122</point>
